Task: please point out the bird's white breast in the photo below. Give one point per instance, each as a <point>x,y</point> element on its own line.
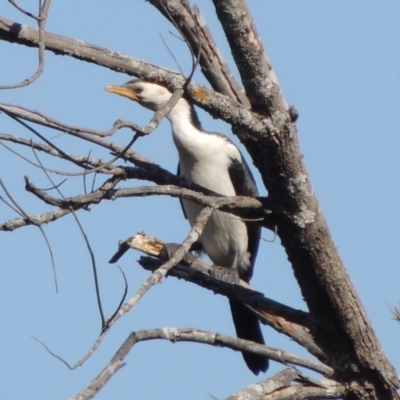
<point>205,159</point>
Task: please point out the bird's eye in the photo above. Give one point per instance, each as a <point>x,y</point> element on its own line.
<point>139,89</point>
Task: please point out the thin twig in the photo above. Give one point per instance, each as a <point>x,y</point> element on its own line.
<point>52,353</point>
<point>84,176</point>
<point>123,298</point>
<point>10,205</point>
<point>95,162</point>
<point>66,156</point>
<point>21,211</point>
<point>19,8</point>
<point>171,53</point>
<point>41,20</point>
<point>88,246</point>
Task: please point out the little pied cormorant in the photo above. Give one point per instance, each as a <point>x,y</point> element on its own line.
<point>214,162</point>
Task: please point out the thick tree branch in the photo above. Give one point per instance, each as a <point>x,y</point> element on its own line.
<point>351,343</point>
<point>258,77</point>
<point>281,386</point>
<point>331,390</point>
<point>14,32</point>
<point>216,104</point>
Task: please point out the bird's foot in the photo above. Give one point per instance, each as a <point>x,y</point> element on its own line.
<point>170,249</point>
<point>229,275</point>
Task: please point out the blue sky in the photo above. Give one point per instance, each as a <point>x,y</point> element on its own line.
<point>338,63</point>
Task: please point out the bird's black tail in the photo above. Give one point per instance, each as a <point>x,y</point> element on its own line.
<point>248,327</point>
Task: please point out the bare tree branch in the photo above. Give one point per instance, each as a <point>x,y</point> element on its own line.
<point>284,319</point>
<point>350,343</point>
<point>41,20</point>
<point>39,219</point>
<point>191,335</point>
<point>198,36</point>
<point>22,34</point>
<point>291,322</point>
<point>280,380</point>
<point>88,135</point>
<point>217,104</point>
<point>51,216</point>
<point>152,171</point>
<point>245,207</point>
<point>280,386</point>
<point>258,77</point>
<point>395,311</point>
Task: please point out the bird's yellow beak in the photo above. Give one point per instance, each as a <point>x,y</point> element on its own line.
<point>122,91</point>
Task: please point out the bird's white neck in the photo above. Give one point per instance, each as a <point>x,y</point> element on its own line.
<point>183,113</point>
<point>186,130</point>
<point>198,148</point>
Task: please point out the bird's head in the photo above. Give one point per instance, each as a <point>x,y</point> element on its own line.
<point>150,95</point>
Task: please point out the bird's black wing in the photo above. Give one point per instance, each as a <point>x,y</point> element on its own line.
<point>246,322</point>
<point>244,185</point>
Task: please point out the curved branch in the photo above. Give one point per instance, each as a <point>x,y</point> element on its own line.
<point>19,8</point>
<point>291,322</point>
<point>190,335</point>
